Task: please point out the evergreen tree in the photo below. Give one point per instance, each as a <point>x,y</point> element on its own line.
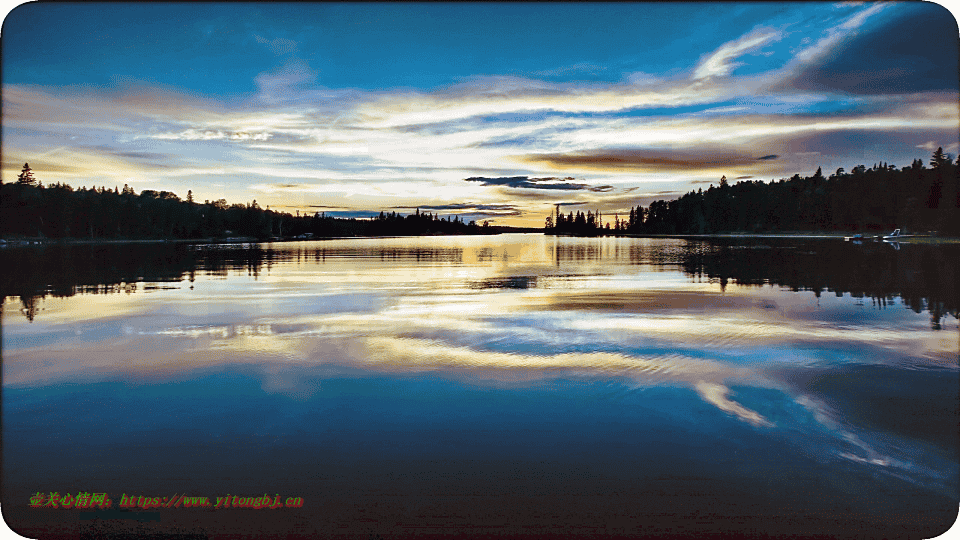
<point>938,159</point>
<point>26,175</point>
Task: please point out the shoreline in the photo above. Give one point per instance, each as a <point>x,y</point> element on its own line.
<point>41,242</point>
<point>793,234</point>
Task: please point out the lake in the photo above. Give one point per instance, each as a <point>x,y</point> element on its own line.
<point>515,384</point>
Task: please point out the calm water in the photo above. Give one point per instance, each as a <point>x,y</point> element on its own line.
<point>512,384</point>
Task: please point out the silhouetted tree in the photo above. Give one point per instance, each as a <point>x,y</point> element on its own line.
<point>26,176</point>
<point>938,159</point>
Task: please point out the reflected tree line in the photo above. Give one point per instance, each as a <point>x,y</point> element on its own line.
<point>924,277</point>
<point>34,273</point>
<point>916,198</point>
<point>63,271</point>
<point>58,211</point>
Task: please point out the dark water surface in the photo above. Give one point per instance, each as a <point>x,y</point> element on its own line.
<point>501,385</point>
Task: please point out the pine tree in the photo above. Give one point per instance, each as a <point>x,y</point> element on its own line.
<point>938,159</point>
<point>26,176</point>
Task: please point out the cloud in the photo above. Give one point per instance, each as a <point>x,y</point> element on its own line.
<point>86,165</point>
<point>482,99</point>
<point>80,110</point>
<point>584,68</point>
<point>864,144</point>
<point>721,63</point>
<point>825,46</point>
<point>284,83</point>
<point>642,78</point>
<point>507,142</point>
<point>279,46</point>
<point>645,160</point>
<point>915,50</point>
<point>193,134</point>
<point>528,183</point>
<point>491,209</point>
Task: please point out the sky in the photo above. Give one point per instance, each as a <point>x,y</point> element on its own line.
<point>493,111</point>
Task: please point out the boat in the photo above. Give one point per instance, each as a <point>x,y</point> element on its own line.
<point>892,236</point>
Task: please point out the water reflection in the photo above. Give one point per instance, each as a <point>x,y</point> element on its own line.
<point>924,277</point>
<point>666,373</point>
<point>513,282</point>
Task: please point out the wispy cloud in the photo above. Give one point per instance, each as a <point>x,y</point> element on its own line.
<point>285,83</point>
<point>720,63</point>
<point>279,46</point>
<point>836,34</point>
<point>581,68</point>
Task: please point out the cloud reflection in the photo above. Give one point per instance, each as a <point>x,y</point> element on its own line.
<point>515,311</point>
<point>718,395</point>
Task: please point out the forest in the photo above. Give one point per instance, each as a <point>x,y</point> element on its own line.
<point>28,209</point>
<point>917,199</point>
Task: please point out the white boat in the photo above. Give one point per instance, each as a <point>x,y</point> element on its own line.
<point>894,235</point>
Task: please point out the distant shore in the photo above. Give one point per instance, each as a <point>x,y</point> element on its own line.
<point>919,239</point>
<point>18,242</point>
<point>38,241</point>
<point>42,241</point>
<point>832,235</point>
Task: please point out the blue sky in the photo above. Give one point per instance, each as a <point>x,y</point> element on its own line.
<point>355,108</point>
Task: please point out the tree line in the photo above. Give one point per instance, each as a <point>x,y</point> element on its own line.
<point>58,211</point>
<point>914,198</point>
<point>923,277</point>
